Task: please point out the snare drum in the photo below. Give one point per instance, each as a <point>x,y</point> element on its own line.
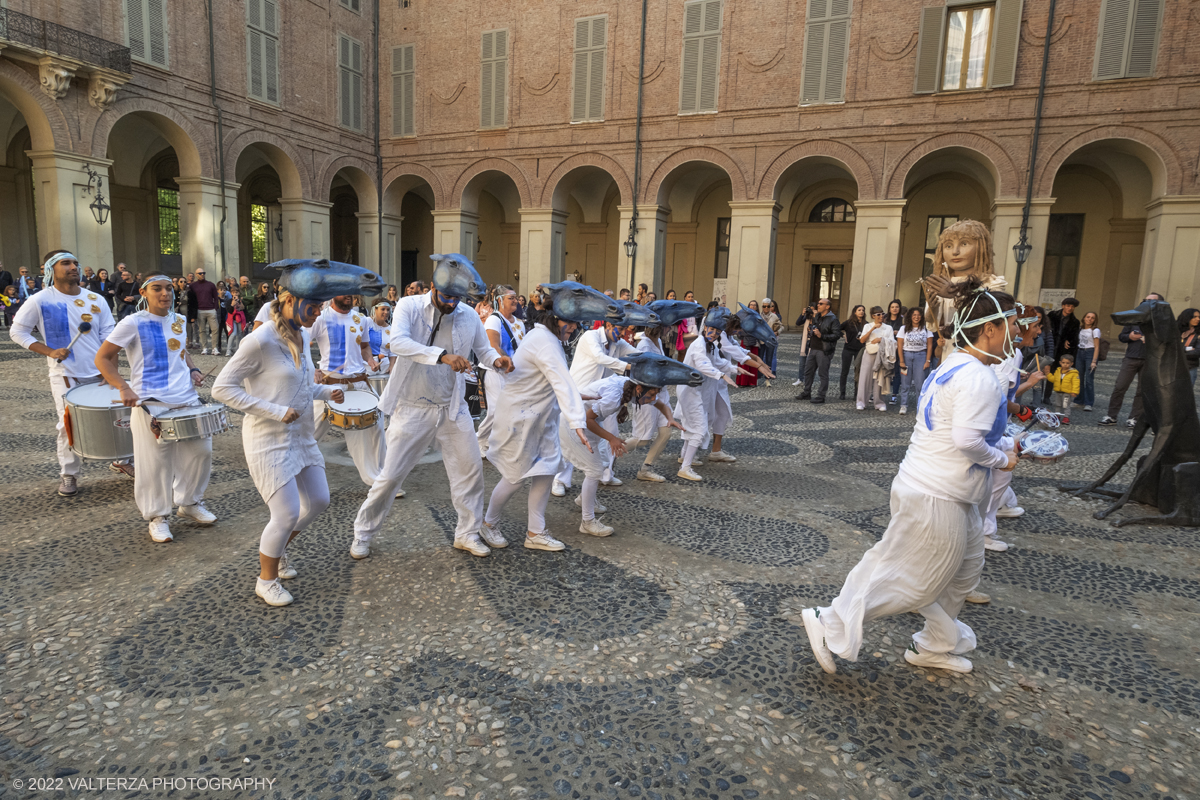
<point>358,411</point>
<point>192,422</point>
<point>97,423</point>
<point>377,381</point>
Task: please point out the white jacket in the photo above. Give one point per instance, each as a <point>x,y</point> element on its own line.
<point>696,403</point>
<point>596,359</point>
<point>412,324</point>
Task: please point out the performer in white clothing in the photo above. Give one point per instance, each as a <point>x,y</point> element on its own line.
<point>270,380</point>
<point>697,408</point>
<point>341,336</point>
<point>379,334</point>
<point>597,355</point>
<point>56,313</point>
<point>738,355</point>
<point>649,424</point>
<point>525,441</point>
<point>161,377</point>
<point>505,332</point>
<point>432,335</point>
<point>931,555</point>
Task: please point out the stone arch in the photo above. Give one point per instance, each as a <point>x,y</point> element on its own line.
<point>1165,168</point>
<point>48,127</point>
<point>358,172</point>
<point>283,156</point>
<point>680,157</point>
<point>598,160</point>
<point>191,147</point>
<point>995,159</point>
<point>846,155</point>
<point>404,177</point>
<point>466,181</point>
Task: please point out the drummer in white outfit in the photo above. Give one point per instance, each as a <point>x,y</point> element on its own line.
<point>525,441</point>
<point>270,380</point>
<point>379,334</point>
<point>597,355</point>
<point>931,555</point>
<point>341,337</point>
<point>57,312</point>
<point>699,408</point>
<point>505,332</point>
<point>161,377</point>
<point>432,335</point>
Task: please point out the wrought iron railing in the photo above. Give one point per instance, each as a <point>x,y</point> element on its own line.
<point>32,32</point>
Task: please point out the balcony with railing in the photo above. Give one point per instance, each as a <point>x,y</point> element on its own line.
<point>26,32</point>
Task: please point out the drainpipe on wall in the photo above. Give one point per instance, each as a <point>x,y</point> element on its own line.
<point>378,150</point>
<point>637,157</point>
<point>1023,241</point>
<point>212,87</point>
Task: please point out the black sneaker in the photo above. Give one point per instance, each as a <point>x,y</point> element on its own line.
<point>804,396</point>
<point>817,400</point>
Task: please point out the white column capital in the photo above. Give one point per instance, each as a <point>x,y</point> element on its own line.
<point>54,157</point>
<point>754,207</point>
<point>542,215</point>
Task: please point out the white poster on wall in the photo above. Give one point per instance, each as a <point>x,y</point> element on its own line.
<point>719,288</point>
<point>1051,299</point>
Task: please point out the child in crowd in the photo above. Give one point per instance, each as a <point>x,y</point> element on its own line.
<point>12,303</point>
<point>1065,380</point>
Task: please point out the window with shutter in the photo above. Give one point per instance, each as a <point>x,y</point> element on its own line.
<point>700,66</point>
<point>262,50</point>
<point>146,30</point>
<point>826,48</point>
<point>587,86</point>
<point>350,83</point>
<point>353,5</point>
<point>1127,46</point>
<point>493,80</point>
<point>403,80</point>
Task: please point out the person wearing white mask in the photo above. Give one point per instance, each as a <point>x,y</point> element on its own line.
<point>432,335</point>
<point>56,313</point>
<point>505,332</point>
<point>161,377</point>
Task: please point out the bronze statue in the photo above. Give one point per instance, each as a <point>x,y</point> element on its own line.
<point>1167,478</point>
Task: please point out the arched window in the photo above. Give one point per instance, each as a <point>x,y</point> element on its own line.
<point>833,209</point>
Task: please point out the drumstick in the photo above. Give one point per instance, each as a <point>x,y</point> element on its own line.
<point>84,327</point>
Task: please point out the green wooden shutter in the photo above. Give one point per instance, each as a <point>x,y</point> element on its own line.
<point>826,48</point>
<point>403,100</point>
<point>1006,38</point>
<point>356,86</point>
<point>1143,41</point>
<point>929,49</point>
<point>700,67</point>
<point>1113,38</point>
<point>271,50</point>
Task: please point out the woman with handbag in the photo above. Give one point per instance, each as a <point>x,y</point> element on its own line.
<point>872,337</point>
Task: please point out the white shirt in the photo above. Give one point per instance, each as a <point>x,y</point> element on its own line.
<point>1088,337</point>
<point>156,348</point>
<point>609,390</point>
<point>380,337</point>
<point>915,340</point>
<point>57,317</point>
<point>514,325</point>
<point>969,399</point>
<point>596,357</point>
<point>339,338</point>
<point>264,314</point>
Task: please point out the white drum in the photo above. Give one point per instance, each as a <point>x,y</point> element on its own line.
<point>358,411</point>
<point>192,422</point>
<point>97,423</point>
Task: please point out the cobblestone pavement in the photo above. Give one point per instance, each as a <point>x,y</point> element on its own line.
<point>666,661</point>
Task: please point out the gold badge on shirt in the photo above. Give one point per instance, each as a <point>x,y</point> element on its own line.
<point>177,327</point>
<point>173,344</point>
<point>357,319</point>
<point>91,296</point>
<point>95,309</point>
<point>86,317</point>
<point>183,356</point>
<point>79,303</point>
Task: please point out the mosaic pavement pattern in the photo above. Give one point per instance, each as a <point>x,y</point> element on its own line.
<point>667,661</point>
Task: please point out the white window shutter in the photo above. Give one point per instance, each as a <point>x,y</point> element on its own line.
<point>156,24</point>
<point>712,16</point>
<point>826,48</point>
<point>271,17</point>
<point>929,49</point>
<point>486,81</point>
<point>254,13</point>
<point>814,62</point>
<point>500,93</point>
<point>403,100</point>
<point>262,49</point>
<point>1143,41</point>
<point>1114,35</point>
<point>596,86</point>
<point>587,82</point>
<point>837,46</point>
<point>493,80</point>
<point>700,66</point>
<point>135,28</point>
<point>710,66</point>
<point>692,17</point>
<point>579,79</point>
<point>689,78</point>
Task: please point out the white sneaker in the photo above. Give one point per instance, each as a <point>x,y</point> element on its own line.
<point>696,462</point>
<point>881,408</point>
<point>860,406</point>
<point>197,512</point>
<point>399,493</point>
<point>543,541</point>
<point>559,489</point>
<point>613,481</point>
<point>287,567</point>
<point>797,382</point>
<point>160,531</point>
<point>492,536</point>
<point>599,509</point>
<point>995,545</point>
<point>1087,408</point>
<point>472,544</point>
<point>903,409</point>
<point>687,473</point>
<point>1131,422</point>
<point>273,593</point>
<point>595,527</point>
<point>647,474</point>
<point>719,455</point>
<point>1010,511</point>
<point>227,354</point>
<point>361,548</point>
<point>978,597</point>
<point>816,639</point>
<point>937,660</point>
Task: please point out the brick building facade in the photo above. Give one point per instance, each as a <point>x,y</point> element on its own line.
<point>788,147</point>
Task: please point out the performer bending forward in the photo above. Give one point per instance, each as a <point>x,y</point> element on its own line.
<point>931,555</point>
<point>270,380</point>
<point>697,408</point>
<point>161,377</point>
<point>432,335</point>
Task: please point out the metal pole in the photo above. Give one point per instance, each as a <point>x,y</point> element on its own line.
<point>212,87</point>
<point>378,151</point>
<point>1033,147</point>
<point>637,156</point>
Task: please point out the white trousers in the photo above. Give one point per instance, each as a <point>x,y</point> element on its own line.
<point>567,473</point>
<point>928,561</point>
<point>293,508</point>
<point>493,385</point>
<point>68,462</point>
<point>409,435</point>
<point>1002,495</point>
<point>168,473</point>
<point>367,447</point>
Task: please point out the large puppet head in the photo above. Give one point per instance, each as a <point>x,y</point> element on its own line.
<point>651,369</point>
<point>672,312</point>
<point>321,280</point>
<point>575,302</point>
<point>757,327</point>
<point>455,277</point>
